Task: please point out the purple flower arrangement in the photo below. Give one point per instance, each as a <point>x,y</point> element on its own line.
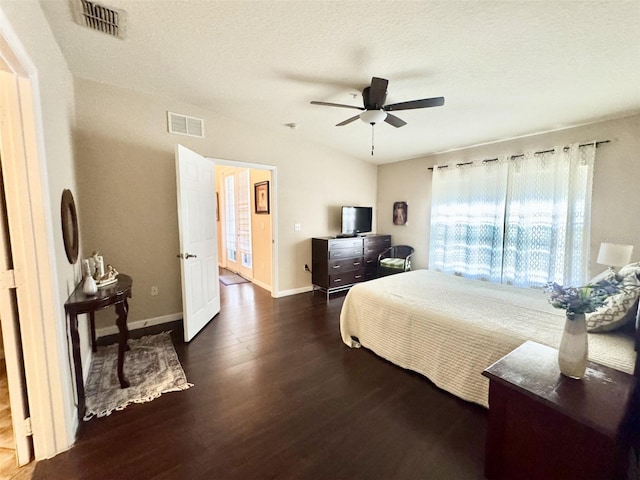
<point>581,300</point>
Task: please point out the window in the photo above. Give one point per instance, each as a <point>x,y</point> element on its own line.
<point>520,220</point>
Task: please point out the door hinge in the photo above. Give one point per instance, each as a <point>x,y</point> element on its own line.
<point>8,279</point>
<point>27,427</point>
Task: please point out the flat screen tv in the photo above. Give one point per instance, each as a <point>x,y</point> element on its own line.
<point>356,220</point>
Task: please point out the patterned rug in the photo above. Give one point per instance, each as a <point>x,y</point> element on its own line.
<point>151,366</point>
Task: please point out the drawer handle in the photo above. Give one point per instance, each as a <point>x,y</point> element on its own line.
<point>358,276</point>
<point>336,267</point>
<point>355,264</point>
<point>337,280</point>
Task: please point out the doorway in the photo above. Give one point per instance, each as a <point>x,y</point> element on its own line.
<point>235,243</point>
<point>245,242</point>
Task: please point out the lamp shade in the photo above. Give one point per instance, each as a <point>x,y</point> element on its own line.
<point>614,254</point>
<point>373,116</point>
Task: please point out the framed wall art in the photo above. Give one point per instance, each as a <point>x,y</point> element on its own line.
<point>261,191</point>
<point>400,213</point>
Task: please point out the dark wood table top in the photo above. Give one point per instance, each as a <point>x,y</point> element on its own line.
<point>78,302</point>
<point>600,399</point>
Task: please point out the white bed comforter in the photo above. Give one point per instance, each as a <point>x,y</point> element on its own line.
<point>450,328</point>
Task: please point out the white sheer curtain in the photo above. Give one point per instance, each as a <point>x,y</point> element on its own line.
<point>467,219</point>
<point>548,217</point>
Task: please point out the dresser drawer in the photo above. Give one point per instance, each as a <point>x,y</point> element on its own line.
<point>337,253</point>
<point>346,278</point>
<point>376,244</point>
<point>338,266</point>
<point>345,243</point>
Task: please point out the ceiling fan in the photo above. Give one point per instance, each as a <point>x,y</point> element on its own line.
<point>375,111</point>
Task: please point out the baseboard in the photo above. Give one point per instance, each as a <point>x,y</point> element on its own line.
<point>293,291</point>
<point>261,285</point>
<point>149,322</point>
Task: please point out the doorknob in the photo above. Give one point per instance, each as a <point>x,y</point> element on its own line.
<point>186,256</point>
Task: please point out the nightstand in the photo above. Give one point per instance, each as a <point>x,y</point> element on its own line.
<point>543,425</point>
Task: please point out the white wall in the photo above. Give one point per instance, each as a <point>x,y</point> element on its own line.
<point>616,185</point>
<point>126,182</point>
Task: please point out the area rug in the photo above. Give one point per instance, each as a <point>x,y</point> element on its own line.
<point>151,366</point>
<point>232,279</point>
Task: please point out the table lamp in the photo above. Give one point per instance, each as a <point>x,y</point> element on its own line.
<point>614,255</point>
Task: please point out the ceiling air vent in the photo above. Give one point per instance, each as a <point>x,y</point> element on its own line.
<point>97,17</point>
<point>185,125</point>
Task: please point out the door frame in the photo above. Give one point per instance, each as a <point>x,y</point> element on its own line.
<point>28,201</point>
<point>273,187</point>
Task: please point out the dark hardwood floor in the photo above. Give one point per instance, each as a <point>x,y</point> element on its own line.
<point>278,395</point>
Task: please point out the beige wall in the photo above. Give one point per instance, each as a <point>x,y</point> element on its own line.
<point>616,194</point>
<point>53,89</point>
<point>126,184</point>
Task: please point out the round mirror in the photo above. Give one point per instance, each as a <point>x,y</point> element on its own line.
<point>69,226</point>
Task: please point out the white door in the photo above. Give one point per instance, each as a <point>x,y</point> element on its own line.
<point>237,221</point>
<point>196,188</point>
<point>9,322</point>
<point>9,319</point>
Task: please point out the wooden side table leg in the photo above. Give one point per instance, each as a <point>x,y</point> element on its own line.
<point>92,320</point>
<point>77,364</point>
<point>122,309</point>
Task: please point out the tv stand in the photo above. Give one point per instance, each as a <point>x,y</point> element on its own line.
<point>338,263</point>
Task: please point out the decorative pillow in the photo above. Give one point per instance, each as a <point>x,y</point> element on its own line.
<point>617,309</point>
<point>629,269</point>
<point>608,275</point>
<point>631,281</point>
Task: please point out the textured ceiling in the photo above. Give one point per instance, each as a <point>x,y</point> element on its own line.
<point>505,68</point>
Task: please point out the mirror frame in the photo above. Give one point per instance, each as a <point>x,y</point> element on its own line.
<point>69,217</point>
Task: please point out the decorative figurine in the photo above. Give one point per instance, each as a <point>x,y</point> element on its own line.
<point>98,265</point>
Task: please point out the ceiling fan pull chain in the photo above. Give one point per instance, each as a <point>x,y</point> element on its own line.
<point>372,125</point>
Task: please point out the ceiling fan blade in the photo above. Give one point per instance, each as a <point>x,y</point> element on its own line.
<point>395,121</point>
<point>424,103</point>
<point>327,104</point>
<point>378,92</point>
<point>348,121</point>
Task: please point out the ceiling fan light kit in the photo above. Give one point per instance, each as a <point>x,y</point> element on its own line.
<point>373,116</point>
<point>375,110</point>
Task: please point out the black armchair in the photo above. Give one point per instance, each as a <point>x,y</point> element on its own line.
<point>395,259</point>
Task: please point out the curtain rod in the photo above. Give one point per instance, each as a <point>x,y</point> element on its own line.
<point>597,144</point>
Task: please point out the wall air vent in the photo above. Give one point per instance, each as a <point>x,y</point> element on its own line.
<point>97,17</point>
<point>185,125</point>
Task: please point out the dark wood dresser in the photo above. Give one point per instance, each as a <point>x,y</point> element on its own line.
<point>339,263</point>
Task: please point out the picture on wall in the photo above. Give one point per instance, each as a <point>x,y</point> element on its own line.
<point>262,197</point>
<point>400,213</point>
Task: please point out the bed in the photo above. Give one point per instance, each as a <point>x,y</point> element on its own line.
<point>450,328</point>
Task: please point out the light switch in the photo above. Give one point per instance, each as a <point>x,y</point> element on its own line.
<point>297,227</point>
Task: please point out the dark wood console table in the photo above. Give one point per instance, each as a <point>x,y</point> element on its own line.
<point>79,303</point>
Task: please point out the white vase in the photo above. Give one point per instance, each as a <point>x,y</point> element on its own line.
<point>89,286</point>
<point>574,349</point>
